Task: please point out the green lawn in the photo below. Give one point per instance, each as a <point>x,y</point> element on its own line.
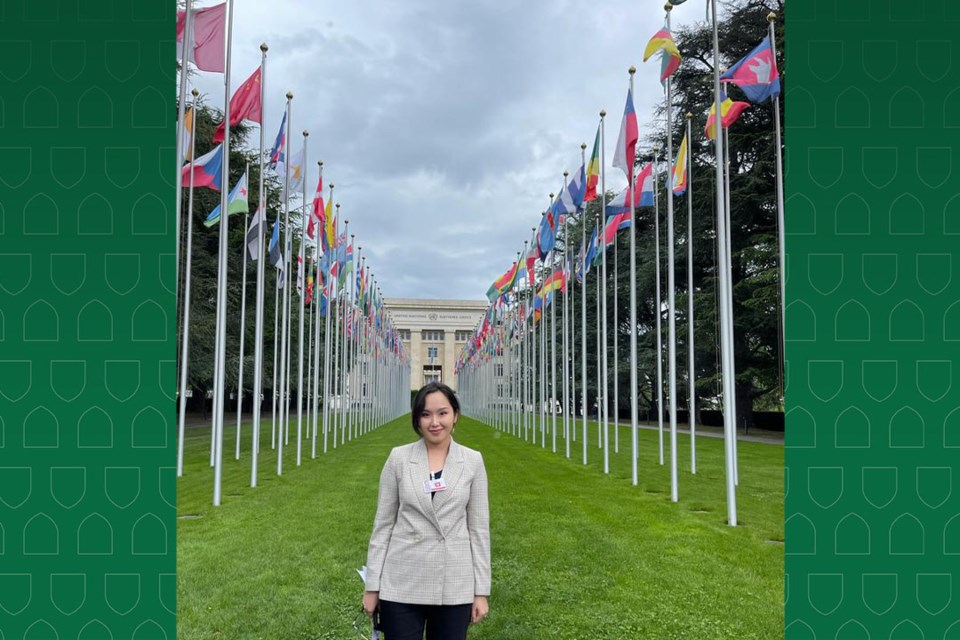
<point>576,554</point>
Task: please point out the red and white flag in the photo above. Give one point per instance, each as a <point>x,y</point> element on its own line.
<point>206,44</point>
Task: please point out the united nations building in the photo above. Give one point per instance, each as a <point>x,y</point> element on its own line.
<point>434,333</point>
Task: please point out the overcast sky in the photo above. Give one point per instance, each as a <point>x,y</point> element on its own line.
<point>446,125</point>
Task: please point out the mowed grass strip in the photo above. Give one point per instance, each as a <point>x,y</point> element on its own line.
<point>577,554</point>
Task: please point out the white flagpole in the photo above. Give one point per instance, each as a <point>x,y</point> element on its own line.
<point>317,299</point>
<point>276,353</point>
<point>327,346</point>
<point>771,18</point>
<point>615,394</point>
<point>311,371</point>
<point>729,300</point>
<point>185,344</point>
<point>658,304</point>
<point>181,110</point>
<point>671,294</point>
<point>222,281</point>
<point>284,321</point>
<point>633,312</point>
<point>727,364</point>
<point>564,340</point>
<point>583,316</point>
<point>603,404</point>
<point>553,351</point>
<point>258,331</point>
<point>243,312</point>
<point>345,352</point>
<point>303,291</point>
<point>692,399</point>
<point>527,371</point>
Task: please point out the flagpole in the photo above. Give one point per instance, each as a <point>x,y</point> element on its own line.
<point>258,331</point>
<point>222,281</point>
<point>601,359</point>
<point>583,315</point>
<point>347,326</point>
<point>771,18</point>
<point>301,268</point>
<point>633,309</point>
<point>276,351</point>
<point>184,347</point>
<point>728,418</point>
<point>658,304</point>
<point>337,382</point>
<point>603,405</point>
<point>243,316</point>
<point>525,351</point>
<point>563,328</point>
<point>311,372</point>
<point>284,320</point>
<point>729,300</point>
<point>318,303</point>
<point>671,292</point>
<point>181,111</point>
<point>692,399</point>
<point>328,286</point>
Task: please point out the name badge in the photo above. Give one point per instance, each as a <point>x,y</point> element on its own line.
<point>434,485</point>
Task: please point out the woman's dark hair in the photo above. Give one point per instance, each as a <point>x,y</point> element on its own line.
<point>420,401</point>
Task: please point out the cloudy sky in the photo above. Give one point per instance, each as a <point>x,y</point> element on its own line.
<point>446,125</point>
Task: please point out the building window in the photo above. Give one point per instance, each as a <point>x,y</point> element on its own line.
<point>498,369</point>
<point>432,373</point>
<point>463,336</point>
<point>500,387</point>
<point>432,352</point>
<point>404,334</point>
<point>433,336</point>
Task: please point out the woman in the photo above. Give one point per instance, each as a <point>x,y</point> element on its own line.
<point>428,565</point>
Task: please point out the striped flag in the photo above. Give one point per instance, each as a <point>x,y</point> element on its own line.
<point>623,156</point>
<point>680,169</point>
<point>593,170</point>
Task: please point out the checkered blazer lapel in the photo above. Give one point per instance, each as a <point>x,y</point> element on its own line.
<point>452,471</point>
<point>419,470</point>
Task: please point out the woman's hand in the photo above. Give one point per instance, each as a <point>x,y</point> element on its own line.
<point>480,609</point>
<point>371,600</point>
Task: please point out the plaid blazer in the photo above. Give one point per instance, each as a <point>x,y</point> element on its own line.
<point>427,550</point>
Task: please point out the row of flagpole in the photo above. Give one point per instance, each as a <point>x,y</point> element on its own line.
<point>481,365</point>
<point>370,372</point>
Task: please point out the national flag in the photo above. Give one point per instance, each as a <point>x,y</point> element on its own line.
<point>316,216</point>
<point>645,179</point>
<point>300,273</point>
<point>680,169</point>
<point>244,105</point>
<point>502,284</point>
<point>662,41</point>
<point>623,156</point>
<point>571,198</point>
<point>614,224</point>
<point>276,254</point>
<point>237,202</point>
<point>205,46</point>
<point>186,152</point>
<point>593,170</point>
<point>531,260</point>
<point>756,73</point>
<point>546,234</point>
<point>329,236</point>
<point>253,233</point>
<point>729,112</point>
<point>279,145</point>
<point>295,169</point>
<point>207,170</point>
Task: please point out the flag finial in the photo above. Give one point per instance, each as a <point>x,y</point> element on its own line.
<point>195,92</point>
<point>603,113</point>
<point>305,133</point>
<point>289,95</point>
<point>689,115</point>
<point>565,173</point>
<point>632,70</point>
<point>320,163</point>
<point>667,7</point>
<point>583,145</point>
<point>771,16</point>
<point>264,47</point>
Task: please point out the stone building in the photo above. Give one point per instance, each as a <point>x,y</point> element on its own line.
<point>434,333</point>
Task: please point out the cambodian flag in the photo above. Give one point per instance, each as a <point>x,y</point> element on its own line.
<point>756,73</point>
<point>207,170</point>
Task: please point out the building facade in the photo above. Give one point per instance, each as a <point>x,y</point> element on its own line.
<point>434,333</point>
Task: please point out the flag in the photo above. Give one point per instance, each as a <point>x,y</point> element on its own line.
<point>186,151</point>
<point>253,233</point>
<point>669,57</point>
<point>729,112</point>
<point>295,166</point>
<point>237,202</point>
<point>316,217</point>
<point>276,255</point>
<point>593,170</point>
<point>614,224</point>
<point>276,153</point>
<point>625,152</point>
<point>546,234</point>
<point>571,198</point>
<point>756,73</point>
<point>244,105</point>
<point>207,170</point>
<point>300,270</point>
<point>329,236</point>
<point>502,284</point>
<point>680,169</point>
<point>645,180</point>
<point>205,46</point>
<point>531,259</point>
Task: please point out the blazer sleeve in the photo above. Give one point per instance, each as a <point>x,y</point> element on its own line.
<point>478,525</point>
<point>388,503</point>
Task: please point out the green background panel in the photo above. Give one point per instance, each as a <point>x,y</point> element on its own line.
<point>87,439</point>
<point>873,419</point>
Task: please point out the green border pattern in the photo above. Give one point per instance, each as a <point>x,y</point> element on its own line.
<point>87,320</point>
<point>873,320</point>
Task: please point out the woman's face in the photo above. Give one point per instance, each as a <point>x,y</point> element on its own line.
<point>437,419</point>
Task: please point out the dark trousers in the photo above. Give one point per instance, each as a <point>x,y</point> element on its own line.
<point>401,621</point>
